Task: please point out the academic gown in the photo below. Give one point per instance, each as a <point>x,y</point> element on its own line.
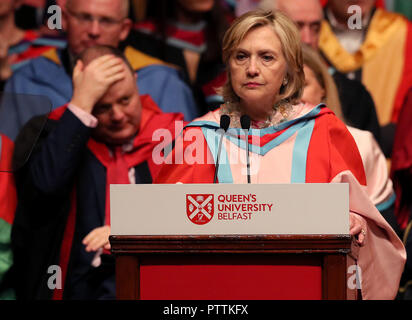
<point>401,169</point>
<point>62,197</point>
<point>211,73</point>
<point>379,185</point>
<point>45,84</point>
<point>358,107</point>
<point>313,147</point>
<point>401,173</point>
<point>382,63</point>
<point>31,46</point>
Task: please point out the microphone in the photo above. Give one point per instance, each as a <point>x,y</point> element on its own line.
<point>245,123</point>
<point>224,125</point>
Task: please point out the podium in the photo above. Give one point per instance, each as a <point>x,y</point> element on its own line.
<point>163,255</point>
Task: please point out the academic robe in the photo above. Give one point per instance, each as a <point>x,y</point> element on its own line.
<point>211,73</point>
<point>383,60</point>
<point>401,169</point>
<point>45,83</point>
<point>379,186</point>
<point>313,147</point>
<point>358,107</point>
<point>62,197</point>
<point>31,46</point>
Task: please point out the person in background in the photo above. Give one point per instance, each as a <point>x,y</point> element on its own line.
<point>102,137</point>
<point>320,88</point>
<point>375,48</point>
<point>89,23</point>
<point>293,142</point>
<point>357,104</point>
<point>187,34</point>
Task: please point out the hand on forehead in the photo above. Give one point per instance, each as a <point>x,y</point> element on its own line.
<point>118,7</point>
<point>301,10</point>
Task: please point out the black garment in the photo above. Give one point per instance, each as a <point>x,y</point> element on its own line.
<point>207,70</point>
<point>26,17</point>
<point>387,138</point>
<point>357,105</point>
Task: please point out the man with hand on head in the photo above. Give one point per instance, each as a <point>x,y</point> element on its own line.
<point>103,136</point>
<point>357,105</point>
<point>89,23</point>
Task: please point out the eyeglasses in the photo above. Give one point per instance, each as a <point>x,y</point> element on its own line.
<point>86,19</point>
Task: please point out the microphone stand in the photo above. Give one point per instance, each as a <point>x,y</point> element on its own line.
<point>224,125</point>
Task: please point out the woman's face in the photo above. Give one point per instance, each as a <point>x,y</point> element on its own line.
<point>258,68</point>
<point>313,92</point>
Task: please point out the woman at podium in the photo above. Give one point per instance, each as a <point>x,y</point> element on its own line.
<point>264,134</point>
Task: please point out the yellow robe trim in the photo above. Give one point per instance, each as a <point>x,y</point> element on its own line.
<point>381,58</point>
<point>52,55</point>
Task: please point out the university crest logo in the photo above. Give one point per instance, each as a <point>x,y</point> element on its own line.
<point>200,208</point>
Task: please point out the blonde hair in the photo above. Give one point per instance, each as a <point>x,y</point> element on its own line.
<point>314,61</point>
<point>289,38</point>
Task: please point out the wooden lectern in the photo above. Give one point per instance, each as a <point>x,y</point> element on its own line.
<point>229,267</point>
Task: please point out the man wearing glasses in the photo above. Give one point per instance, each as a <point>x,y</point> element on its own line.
<point>89,23</point>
